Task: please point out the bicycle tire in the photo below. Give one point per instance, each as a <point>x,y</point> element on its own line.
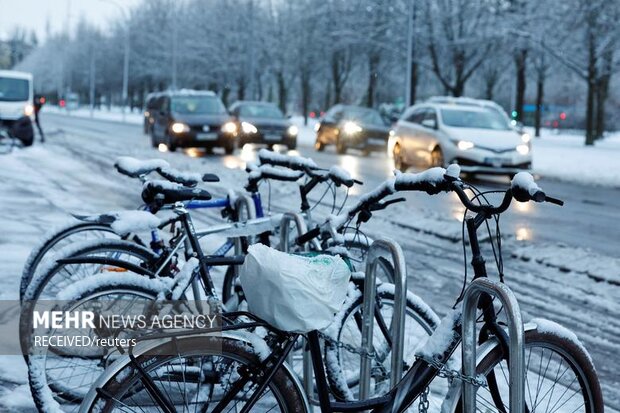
<point>418,314</point>
<point>43,390</point>
<point>568,351</point>
<point>51,241</point>
<point>283,386</point>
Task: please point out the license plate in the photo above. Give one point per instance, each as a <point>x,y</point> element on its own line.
<point>272,137</point>
<point>376,141</point>
<point>497,162</point>
<point>206,136</point>
<point>206,128</point>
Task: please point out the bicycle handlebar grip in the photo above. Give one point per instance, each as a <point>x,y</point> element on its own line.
<point>313,233</point>
<point>524,188</point>
<point>432,181</point>
<point>342,177</point>
<point>210,178</point>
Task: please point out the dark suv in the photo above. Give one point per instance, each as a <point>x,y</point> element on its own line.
<point>262,123</point>
<point>190,118</point>
<point>352,127</point>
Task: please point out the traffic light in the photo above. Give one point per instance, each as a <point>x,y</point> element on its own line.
<point>514,114</point>
<point>563,116</point>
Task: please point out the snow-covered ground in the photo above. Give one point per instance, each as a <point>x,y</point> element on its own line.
<point>564,156</point>
<point>114,114</point>
<point>40,186</point>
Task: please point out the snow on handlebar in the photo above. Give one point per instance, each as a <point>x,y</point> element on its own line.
<point>269,172</point>
<point>524,189</point>
<point>135,168</point>
<point>431,181</point>
<point>297,163</point>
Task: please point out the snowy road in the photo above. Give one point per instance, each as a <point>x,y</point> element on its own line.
<point>73,173</point>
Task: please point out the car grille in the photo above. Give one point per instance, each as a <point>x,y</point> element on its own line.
<point>271,130</point>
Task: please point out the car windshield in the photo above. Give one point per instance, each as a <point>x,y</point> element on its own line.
<point>366,116</point>
<point>261,111</point>
<point>14,90</point>
<point>197,105</point>
<point>482,119</point>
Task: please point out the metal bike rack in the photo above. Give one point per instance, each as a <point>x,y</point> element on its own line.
<point>243,201</point>
<point>285,233</point>
<point>388,249</point>
<point>516,378</point>
<point>285,230</point>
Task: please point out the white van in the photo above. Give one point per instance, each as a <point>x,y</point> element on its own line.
<point>16,109</point>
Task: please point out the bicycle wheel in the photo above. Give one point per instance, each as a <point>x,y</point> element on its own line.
<point>57,239</point>
<point>68,373</point>
<point>560,376</point>
<point>56,276</point>
<point>343,366</point>
<point>194,374</point>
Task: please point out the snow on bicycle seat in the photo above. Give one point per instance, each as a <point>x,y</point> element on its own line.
<point>124,222</point>
<point>135,168</point>
<point>165,192</point>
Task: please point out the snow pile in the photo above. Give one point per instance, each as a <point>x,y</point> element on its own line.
<point>114,115</point>
<point>565,157</point>
<point>572,259</point>
<point>181,177</point>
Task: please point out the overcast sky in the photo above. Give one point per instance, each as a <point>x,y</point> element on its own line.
<point>34,14</point>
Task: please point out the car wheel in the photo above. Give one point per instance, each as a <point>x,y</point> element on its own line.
<point>154,143</point>
<point>229,148</point>
<point>341,147</point>
<point>437,157</point>
<point>319,146</point>
<point>172,147</point>
<point>399,163</point>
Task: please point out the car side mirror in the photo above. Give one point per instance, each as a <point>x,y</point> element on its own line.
<point>429,123</point>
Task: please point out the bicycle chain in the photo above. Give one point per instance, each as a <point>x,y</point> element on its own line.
<point>451,375</point>
<point>348,347</point>
<point>424,404</point>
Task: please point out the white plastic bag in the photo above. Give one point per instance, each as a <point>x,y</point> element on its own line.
<point>293,292</point>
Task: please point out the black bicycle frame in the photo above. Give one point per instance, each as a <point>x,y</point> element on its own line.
<point>415,381</point>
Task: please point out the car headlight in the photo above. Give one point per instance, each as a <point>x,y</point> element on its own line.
<point>247,127</point>
<point>526,137</point>
<point>523,149</point>
<point>465,145</point>
<point>292,130</point>
<point>351,128</point>
<point>229,127</point>
<point>28,110</point>
<point>179,127</point>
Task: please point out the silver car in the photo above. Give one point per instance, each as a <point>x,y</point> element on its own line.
<point>476,135</point>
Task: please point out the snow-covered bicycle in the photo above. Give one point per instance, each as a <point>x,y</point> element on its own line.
<point>214,373</point>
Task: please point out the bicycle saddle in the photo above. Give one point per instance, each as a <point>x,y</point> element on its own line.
<point>164,192</point>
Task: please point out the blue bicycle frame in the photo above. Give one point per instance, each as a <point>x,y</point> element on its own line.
<point>215,203</point>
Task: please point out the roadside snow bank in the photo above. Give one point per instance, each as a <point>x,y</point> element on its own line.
<point>572,259</point>
<point>566,158</point>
